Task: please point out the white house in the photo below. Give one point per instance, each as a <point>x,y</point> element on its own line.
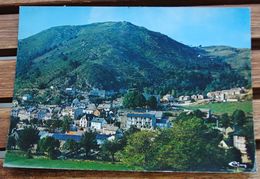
<point>83,122</point>
<point>186,98</point>
<point>239,142</point>
<point>141,120</point>
<point>200,97</point>
<point>97,123</point>
<point>26,97</point>
<point>168,98</point>
<point>194,97</point>
<point>23,114</point>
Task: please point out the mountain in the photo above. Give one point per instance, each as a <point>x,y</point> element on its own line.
<point>116,55</point>
<point>238,58</point>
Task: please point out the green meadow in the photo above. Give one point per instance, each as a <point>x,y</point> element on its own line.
<point>227,107</point>
<point>18,160</point>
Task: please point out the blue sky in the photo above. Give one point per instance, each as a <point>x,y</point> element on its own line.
<point>191,26</point>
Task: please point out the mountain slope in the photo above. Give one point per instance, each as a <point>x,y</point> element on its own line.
<point>239,59</point>
<point>115,55</point>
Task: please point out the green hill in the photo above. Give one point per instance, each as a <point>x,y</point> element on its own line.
<point>239,59</point>
<point>116,55</point>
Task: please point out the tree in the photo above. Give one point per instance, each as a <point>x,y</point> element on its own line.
<point>134,99</point>
<point>65,124</point>
<point>239,119</point>
<point>152,102</point>
<point>139,149</point>
<point>187,146</point>
<point>27,138</point>
<point>233,154</point>
<point>11,142</point>
<point>133,129</point>
<point>198,113</point>
<point>71,145</point>
<point>139,100</point>
<point>225,120</point>
<point>13,123</point>
<point>112,147</point>
<point>89,142</point>
<point>49,145</point>
<point>53,124</point>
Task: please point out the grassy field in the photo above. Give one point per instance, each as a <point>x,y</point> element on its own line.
<point>227,107</point>
<point>17,160</point>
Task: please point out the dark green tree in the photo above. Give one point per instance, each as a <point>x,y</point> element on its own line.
<point>139,149</point>
<point>49,145</point>
<point>187,146</point>
<point>11,142</point>
<point>134,99</point>
<point>53,124</point>
<point>152,102</point>
<point>14,121</point>
<point>89,142</point>
<point>111,147</point>
<point>239,119</point>
<point>225,120</point>
<point>27,138</point>
<point>71,145</point>
<point>66,124</point>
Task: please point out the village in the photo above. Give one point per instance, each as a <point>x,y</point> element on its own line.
<point>109,119</point>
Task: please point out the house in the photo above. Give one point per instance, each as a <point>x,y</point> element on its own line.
<point>232,100</point>
<point>167,98</point>
<point>97,123</point>
<point>44,114</point>
<point>141,120</point>
<point>223,145</point>
<point>15,103</point>
<point>15,112</point>
<point>163,123</point>
<point>23,114</point>
<point>181,98</point>
<point>97,113</point>
<point>200,97</point>
<point>26,97</point>
<point>186,98</point>
<point>109,129</point>
<point>67,111</point>
<point>78,113</point>
<point>91,106</point>
<point>70,91</point>
<point>158,114</point>
<point>206,111</point>
<point>227,131</point>
<point>105,106</point>
<point>222,96</point>
<point>85,120</point>
<point>88,111</point>
<point>77,104</point>
<point>194,97</point>
<point>239,142</point>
